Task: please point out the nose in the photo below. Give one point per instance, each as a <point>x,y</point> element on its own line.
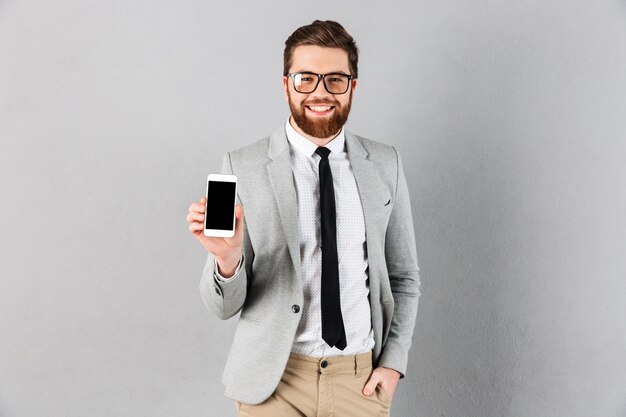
<point>320,90</point>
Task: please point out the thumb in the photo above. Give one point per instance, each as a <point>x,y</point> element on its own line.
<point>239,219</point>
<point>370,387</point>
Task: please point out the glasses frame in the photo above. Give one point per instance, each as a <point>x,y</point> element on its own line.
<point>319,78</point>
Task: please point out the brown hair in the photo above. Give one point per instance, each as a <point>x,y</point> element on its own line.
<point>322,33</point>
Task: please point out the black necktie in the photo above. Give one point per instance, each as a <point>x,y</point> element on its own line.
<point>333,331</point>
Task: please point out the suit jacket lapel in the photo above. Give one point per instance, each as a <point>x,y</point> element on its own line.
<point>369,188</point>
<point>281,177</point>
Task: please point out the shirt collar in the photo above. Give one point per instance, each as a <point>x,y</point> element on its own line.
<point>302,144</point>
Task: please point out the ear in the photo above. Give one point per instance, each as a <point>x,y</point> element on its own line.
<point>354,84</point>
<point>286,87</point>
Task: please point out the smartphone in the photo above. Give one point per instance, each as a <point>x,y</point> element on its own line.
<point>219,217</point>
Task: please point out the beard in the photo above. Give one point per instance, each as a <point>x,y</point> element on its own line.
<point>318,127</point>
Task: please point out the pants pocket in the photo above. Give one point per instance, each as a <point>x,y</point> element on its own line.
<point>383,394</point>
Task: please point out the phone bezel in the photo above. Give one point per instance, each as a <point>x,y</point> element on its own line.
<point>220,178</point>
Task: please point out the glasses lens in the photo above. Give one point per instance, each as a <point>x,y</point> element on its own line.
<point>305,83</point>
<point>337,83</point>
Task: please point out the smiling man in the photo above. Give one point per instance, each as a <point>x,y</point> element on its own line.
<point>319,115</point>
<point>323,268</point>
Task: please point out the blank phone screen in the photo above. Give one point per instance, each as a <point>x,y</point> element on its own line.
<point>220,205</point>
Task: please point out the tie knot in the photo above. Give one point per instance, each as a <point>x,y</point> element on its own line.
<point>323,152</point>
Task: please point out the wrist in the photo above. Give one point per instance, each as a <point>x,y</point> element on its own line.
<point>394,372</point>
<point>227,265</point>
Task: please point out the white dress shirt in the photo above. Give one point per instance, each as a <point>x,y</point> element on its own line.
<point>351,249</point>
<point>351,252</point>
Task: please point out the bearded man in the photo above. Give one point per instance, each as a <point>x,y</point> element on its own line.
<point>323,267</point>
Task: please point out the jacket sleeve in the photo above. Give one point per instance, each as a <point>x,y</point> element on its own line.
<point>403,270</point>
<point>226,298</point>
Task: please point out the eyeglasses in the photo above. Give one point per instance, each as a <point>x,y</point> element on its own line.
<point>307,82</point>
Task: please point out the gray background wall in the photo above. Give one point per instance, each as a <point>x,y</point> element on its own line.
<point>511,120</point>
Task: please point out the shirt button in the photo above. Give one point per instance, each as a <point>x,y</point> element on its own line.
<point>217,290</point>
<point>324,364</point>
<point>295,308</point>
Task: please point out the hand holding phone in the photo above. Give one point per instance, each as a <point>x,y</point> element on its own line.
<point>227,250</point>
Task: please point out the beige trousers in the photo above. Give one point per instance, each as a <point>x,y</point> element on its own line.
<point>326,387</point>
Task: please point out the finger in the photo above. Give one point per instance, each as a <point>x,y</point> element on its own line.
<point>195,217</point>
<point>197,208</point>
<point>370,387</point>
<point>196,227</point>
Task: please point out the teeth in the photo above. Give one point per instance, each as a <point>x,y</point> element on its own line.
<point>320,108</point>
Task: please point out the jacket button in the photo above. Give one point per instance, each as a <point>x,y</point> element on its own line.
<point>324,364</point>
<point>295,308</point>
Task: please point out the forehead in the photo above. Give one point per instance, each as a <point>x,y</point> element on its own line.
<point>319,59</point>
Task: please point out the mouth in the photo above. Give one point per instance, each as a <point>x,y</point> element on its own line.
<point>320,110</point>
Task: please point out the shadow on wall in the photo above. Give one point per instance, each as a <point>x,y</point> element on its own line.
<point>475,185</point>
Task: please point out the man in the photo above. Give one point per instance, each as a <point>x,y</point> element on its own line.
<point>323,267</point>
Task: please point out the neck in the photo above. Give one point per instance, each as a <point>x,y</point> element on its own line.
<point>317,141</point>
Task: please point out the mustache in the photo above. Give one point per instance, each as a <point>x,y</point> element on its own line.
<point>320,103</point>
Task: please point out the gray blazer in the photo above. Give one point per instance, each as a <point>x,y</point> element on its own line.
<point>267,290</point>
